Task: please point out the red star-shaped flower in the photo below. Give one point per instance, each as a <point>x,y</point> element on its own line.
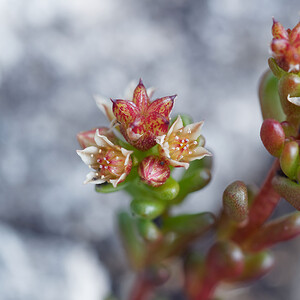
<point>141,121</point>
<point>286,47</point>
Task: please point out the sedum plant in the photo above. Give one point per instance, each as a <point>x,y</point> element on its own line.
<point>138,154</point>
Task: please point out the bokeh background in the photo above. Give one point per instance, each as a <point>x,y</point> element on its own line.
<point>57,236</point>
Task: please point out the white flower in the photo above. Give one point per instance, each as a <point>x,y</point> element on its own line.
<point>111,163</point>
<point>180,145</point>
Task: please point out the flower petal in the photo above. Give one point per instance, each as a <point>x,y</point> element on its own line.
<point>175,126</point>
<point>125,111</point>
<point>102,140</point>
<point>278,31</point>
<point>162,106</point>
<point>176,163</point>
<point>105,106</point>
<point>93,177</point>
<point>140,97</point>
<point>279,46</point>
<point>198,153</point>
<point>294,100</point>
<point>157,124</point>
<point>295,34</point>
<point>115,182</point>
<point>86,138</point>
<point>88,155</point>
<point>193,130</point>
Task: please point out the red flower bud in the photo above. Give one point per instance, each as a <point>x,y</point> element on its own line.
<point>154,170</point>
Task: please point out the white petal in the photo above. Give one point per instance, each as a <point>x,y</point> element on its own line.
<point>115,182</point>
<point>193,130</point>
<point>294,100</point>
<point>150,91</point>
<point>102,140</point>
<point>199,153</point>
<point>88,155</point>
<point>93,178</point>
<point>127,154</point>
<point>176,163</point>
<point>175,126</point>
<point>105,106</point>
<point>160,140</point>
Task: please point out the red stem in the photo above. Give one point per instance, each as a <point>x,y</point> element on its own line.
<point>207,290</point>
<point>141,288</point>
<point>262,207</point>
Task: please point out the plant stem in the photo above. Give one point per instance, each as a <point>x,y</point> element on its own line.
<point>262,207</point>
<point>141,288</point>
<point>206,291</point>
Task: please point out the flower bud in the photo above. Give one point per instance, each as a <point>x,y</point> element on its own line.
<point>272,136</point>
<point>235,201</point>
<point>289,159</point>
<point>154,170</point>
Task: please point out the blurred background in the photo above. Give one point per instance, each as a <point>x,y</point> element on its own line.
<point>57,236</point>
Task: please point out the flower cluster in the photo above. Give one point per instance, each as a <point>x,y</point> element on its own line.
<point>143,124</point>
<point>285,47</point>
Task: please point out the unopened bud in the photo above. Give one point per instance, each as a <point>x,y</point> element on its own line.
<point>154,170</point>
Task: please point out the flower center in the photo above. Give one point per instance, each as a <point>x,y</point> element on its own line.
<point>181,147</point>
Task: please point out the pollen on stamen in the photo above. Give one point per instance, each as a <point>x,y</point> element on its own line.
<point>106,167</point>
<point>182,141</point>
<point>190,152</point>
<point>101,166</point>
<point>177,148</point>
<point>176,137</point>
<point>187,140</point>
<point>180,145</point>
<point>185,147</point>
<point>195,142</point>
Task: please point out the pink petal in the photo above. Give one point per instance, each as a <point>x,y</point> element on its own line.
<point>162,106</point>
<point>125,111</point>
<point>295,34</point>
<point>157,124</point>
<point>140,97</point>
<point>278,31</point>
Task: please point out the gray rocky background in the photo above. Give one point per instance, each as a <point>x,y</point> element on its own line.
<point>57,236</point>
